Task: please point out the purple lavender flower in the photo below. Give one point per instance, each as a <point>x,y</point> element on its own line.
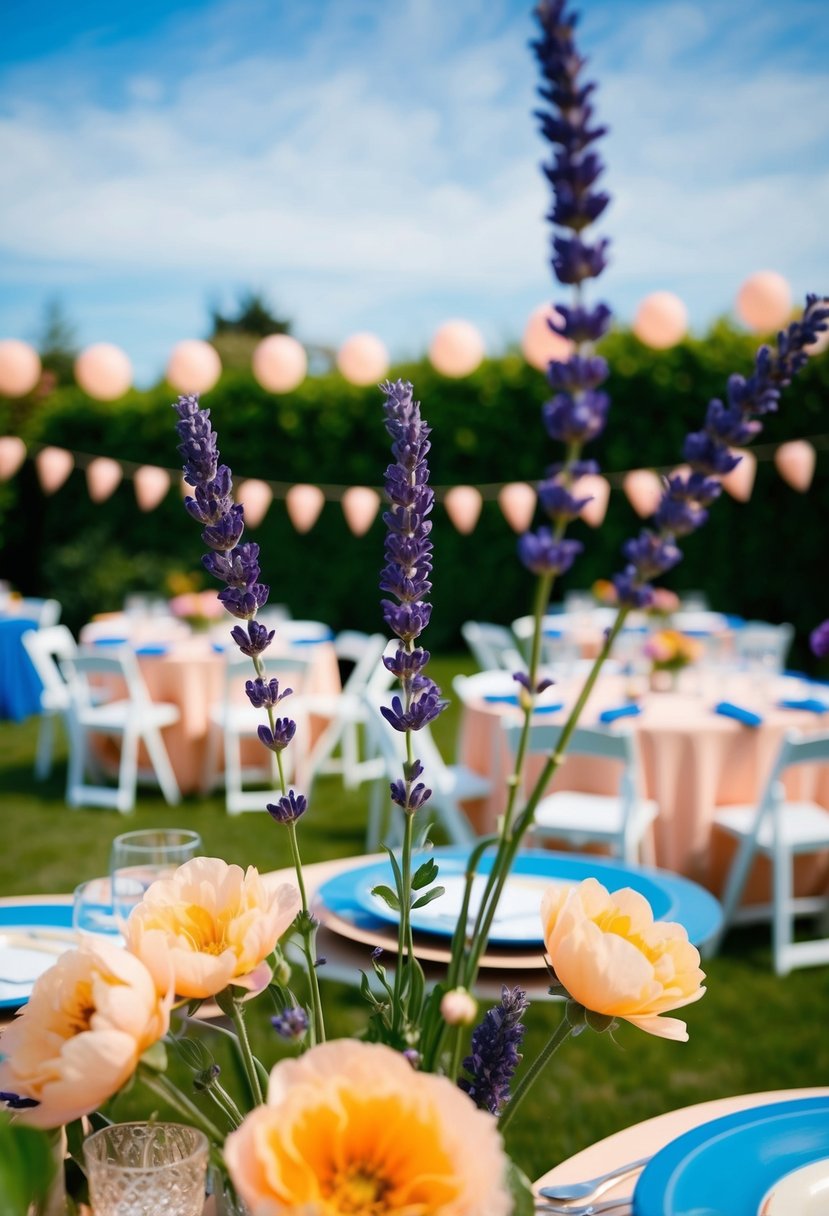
<point>263,693</point>
<point>17,1102</point>
<point>495,1054</point>
<point>288,808</point>
<point>577,412</point>
<point>687,496</point>
<point>291,1023</point>
<point>254,640</point>
<point>277,740</point>
<point>819,640</point>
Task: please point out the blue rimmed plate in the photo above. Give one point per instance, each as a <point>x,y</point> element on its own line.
<point>671,897</point>
<point>31,937</point>
<point>727,1166</point>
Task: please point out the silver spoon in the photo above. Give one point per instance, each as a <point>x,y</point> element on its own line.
<point>620,1207</point>
<point>592,1187</point>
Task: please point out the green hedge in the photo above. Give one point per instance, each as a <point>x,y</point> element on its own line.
<point>765,559</point>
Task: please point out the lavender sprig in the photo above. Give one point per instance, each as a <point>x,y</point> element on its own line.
<point>495,1054</point>
<point>709,453</point>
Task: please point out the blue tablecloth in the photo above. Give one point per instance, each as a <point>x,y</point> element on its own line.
<point>20,685</point>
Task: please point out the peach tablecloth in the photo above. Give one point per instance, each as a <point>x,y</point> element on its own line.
<point>645,1139</point>
<point>190,675</point>
<point>692,760</point>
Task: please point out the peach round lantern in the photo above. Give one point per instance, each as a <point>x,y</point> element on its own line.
<point>151,485</point>
<point>53,467</point>
<point>517,502</point>
<point>456,349</point>
<point>540,344</point>
<point>103,371</point>
<point>661,320</point>
<point>19,368</point>
<point>12,455</point>
<point>194,366</point>
<point>103,476</point>
<point>644,491</point>
<point>598,489</point>
<point>795,462</point>
<point>764,301</point>
<point>363,359</point>
<point>740,481</point>
<point>304,503</point>
<point>255,496</point>
<point>463,506</point>
<point>360,506</point>
<point>280,363</point>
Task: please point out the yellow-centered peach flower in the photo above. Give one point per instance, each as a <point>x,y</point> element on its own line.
<point>613,958</point>
<point>79,1038</point>
<point>211,924</point>
<point>351,1127</point>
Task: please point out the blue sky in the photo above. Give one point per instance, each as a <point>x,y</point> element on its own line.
<point>373,164</point>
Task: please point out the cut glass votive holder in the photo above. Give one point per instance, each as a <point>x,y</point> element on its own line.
<point>146,1169</point>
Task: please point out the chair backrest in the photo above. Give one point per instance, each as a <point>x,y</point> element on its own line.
<point>585,741</point>
<point>45,647</point>
<point>493,646</point>
<point>239,668</point>
<point>381,679</point>
<point>365,652</point>
<point>795,749</point>
<point>763,645</point>
<point>391,744</point>
<point>89,674</point>
<point>46,612</point>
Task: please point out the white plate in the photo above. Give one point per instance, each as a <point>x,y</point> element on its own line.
<point>804,1192</point>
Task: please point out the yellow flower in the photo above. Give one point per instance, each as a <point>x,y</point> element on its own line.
<point>79,1038</point>
<point>613,958</point>
<point>211,924</point>
<point>350,1127</point>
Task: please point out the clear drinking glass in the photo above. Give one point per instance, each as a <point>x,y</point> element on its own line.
<point>146,1169</point>
<point>137,859</point>
<point>93,910</point>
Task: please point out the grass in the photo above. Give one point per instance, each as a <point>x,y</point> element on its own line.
<point>752,1031</point>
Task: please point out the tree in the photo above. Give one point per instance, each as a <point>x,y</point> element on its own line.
<point>253,317</point>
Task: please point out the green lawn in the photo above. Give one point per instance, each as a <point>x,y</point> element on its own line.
<point>751,1031</point>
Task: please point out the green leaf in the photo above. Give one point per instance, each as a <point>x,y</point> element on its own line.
<point>155,1057</point>
<point>435,893</point>
<point>425,874</point>
<point>398,877</point>
<point>27,1167</point>
<point>521,1189</point>
<point>388,897</point>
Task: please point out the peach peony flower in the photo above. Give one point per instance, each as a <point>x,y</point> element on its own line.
<point>211,924</point>
<point>351,1127</point>
<point>613,958</point>
<point>79,1038</point>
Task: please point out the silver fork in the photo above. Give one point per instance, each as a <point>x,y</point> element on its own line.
<point>592,1188</point>
<point>620,1207</point>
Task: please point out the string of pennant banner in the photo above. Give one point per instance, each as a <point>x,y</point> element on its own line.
<point>794,460</point>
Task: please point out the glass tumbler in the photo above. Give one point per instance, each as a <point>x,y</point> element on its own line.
<point>146,1169</point>
<point>137,859</point>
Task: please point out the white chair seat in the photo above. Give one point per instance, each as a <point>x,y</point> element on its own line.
<point>461,781</point>
<point>115,717</point>
<point>597,814</point>
<point>803,826</point>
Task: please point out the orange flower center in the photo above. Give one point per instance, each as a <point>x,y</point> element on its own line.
<point>357,1192</point>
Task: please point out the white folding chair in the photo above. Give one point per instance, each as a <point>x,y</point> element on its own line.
<point>45,647</point>
<point>451,784</point>
<point>346,710</point>
<point>763,647</point>
<point>133,718</point>
<point>780,829</point>
<point>493,647</point>
<point>46,612</point>
<point>559,647</point>
<point>233,720</point>
<point>621,820</point>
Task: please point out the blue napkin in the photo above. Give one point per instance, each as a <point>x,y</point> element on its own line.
<point>152,648</point>
<point>219,647</point>
<point>746,716</point>
<point>110,641</point>
<point>511,698</point>
<point>810,703</point>
<point>553,633</point>
<point>623,711</point>
<point>548,709</point>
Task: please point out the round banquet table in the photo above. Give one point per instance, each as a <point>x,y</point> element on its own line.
<point>692,760</point>
<point>645,1139</point>
<point>187,670</point>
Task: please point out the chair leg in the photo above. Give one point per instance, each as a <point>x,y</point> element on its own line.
<point>351,755</point>
<point>162,766</point>
<point>455,823</point>
<point>735,883</point>
<point>233,773</point>
<point>75,768</point>
<point>45,742</point>
<point>783,913</point>
<point>127,772</point>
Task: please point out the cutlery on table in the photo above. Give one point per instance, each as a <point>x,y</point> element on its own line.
<point>611,1207</point>
<point>47,942</point>
<point>591,1188</point>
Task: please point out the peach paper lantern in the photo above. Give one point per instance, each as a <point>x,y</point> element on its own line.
<point>764,301</point>
<point>194,366</point>
<point>360,506</point>
<point>740,481</point>
<point>12,455</point>
<point>151,485</point>
<point>644,491</point>
<point>53,467</point>
<point>103,371</point>
<point>279,363</point>
<point>661,320</point>
<point>304,504</point>
<point>795,462</point>
<point>255,496</point>
<point>363,359</point>
<point>19,368</point>
<point>598,488</point>
<point>541,345</point>
<point>463,506</point>
<point>456,349</point>
<point>103,477</point>
<point>517,503</point>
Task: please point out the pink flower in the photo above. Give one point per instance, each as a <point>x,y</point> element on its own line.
<point>79,1038</point>
<point>613,958</point>
<point>350,1127</point>
<point>211,924</point>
